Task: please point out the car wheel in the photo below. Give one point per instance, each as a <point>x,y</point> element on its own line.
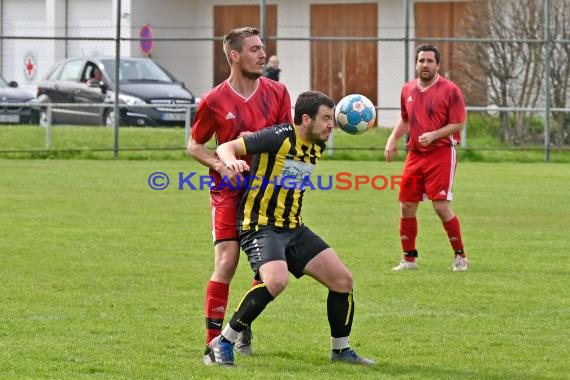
<point>108,118</point>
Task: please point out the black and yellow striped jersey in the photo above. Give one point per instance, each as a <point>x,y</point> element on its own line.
<point>282,163</point>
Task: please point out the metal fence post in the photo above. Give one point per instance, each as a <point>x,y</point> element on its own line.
<point>464,134</point>
<point>187,126</point>
<point>48,127</point>
<point>262,21</point>
<point>330,143</point>
<point>406,56</point>
<point>407,40</point>
<point>547,53</point>
<point>116,109</point>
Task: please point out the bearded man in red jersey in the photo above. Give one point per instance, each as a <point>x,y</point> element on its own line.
<point>433,113</point>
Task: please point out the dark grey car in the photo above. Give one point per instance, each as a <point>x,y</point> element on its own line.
<point>142,81</point>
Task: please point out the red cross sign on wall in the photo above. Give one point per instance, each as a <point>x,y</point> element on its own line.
<point>30,66</point>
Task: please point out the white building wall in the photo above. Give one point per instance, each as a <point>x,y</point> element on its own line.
<point>391,59</point>
<point>22,18</point>
<point>294,20</point>
<point>190,62</point>
<point>93,18</point>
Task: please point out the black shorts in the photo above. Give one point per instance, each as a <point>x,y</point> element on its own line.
<point>296,246</point>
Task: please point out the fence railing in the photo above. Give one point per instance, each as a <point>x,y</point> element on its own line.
<point>44,120</point>
<point>102,138</point>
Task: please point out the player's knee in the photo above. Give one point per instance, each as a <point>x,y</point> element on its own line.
<point>225,267</point>
<point>408,209</point>
<point>346,282</point>
<point>343,283</point>
<point>276,285</point>
<point>443,210</point>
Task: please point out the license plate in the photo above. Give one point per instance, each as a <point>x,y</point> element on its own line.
<point>9,118</point>
<point>173,116</point>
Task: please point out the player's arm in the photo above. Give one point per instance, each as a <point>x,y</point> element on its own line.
<point>204,156</point>
<point>400,129</point>
<point>228,153</point>
<point>267,140</point>
<point>450,129</point>
<point>203,129</point>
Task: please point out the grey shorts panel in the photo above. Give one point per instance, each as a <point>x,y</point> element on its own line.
<point>295,246</point>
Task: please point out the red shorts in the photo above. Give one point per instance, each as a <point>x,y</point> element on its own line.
<point>429,175</point>
<point>224,206</point>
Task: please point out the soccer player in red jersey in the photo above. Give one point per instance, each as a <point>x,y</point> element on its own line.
<point>433,112</point>
<point>244,103</point>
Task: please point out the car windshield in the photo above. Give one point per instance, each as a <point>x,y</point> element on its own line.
<point>137,70</point>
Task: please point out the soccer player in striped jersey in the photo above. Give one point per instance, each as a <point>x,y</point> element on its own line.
<point>433,112</point>
<point>272,232</point>
<point>244,103</point>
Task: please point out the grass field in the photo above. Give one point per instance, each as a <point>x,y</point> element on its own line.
<point>100,276</point>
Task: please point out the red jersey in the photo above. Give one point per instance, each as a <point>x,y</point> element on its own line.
<point>430,109</point>
<point>225,113</point>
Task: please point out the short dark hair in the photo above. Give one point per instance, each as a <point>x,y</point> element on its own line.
<point>234,39</point>
<point>308,103</point>
<point>428,48</point>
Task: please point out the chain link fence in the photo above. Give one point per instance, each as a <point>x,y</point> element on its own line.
<point>511,59</point>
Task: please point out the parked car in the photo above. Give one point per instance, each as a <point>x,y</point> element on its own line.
<point>142,81</point>
<point>10,93</point>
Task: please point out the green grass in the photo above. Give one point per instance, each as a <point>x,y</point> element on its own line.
<point>102,276</point>
<point>168,144</point>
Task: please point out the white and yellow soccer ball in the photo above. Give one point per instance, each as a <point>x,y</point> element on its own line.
<point>355,114</point>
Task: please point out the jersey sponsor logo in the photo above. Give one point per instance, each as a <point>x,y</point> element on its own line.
<point>410,99</point>
<point>230,116</point>
<point>296,170</point>
<point>283,129</point>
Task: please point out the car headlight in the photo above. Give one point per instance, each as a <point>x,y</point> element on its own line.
<point>130,100</point>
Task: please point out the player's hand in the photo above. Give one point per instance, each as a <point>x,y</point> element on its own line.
<point>229,175</point>
<point>391,150</point>
<point>245,133</point>
<point>426,138</point>
<point>237,166</point>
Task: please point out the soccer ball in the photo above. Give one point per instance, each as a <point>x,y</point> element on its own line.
<point>355,114</point>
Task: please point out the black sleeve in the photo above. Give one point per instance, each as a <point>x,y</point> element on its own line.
<point>268,140</point>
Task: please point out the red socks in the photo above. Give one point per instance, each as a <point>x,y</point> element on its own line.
<point>453,229</point>
<point>408,234</point>
<point>215,308</point>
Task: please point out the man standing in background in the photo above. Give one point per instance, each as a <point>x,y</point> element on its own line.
<point>272,69</point>
<point>433,112</point>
